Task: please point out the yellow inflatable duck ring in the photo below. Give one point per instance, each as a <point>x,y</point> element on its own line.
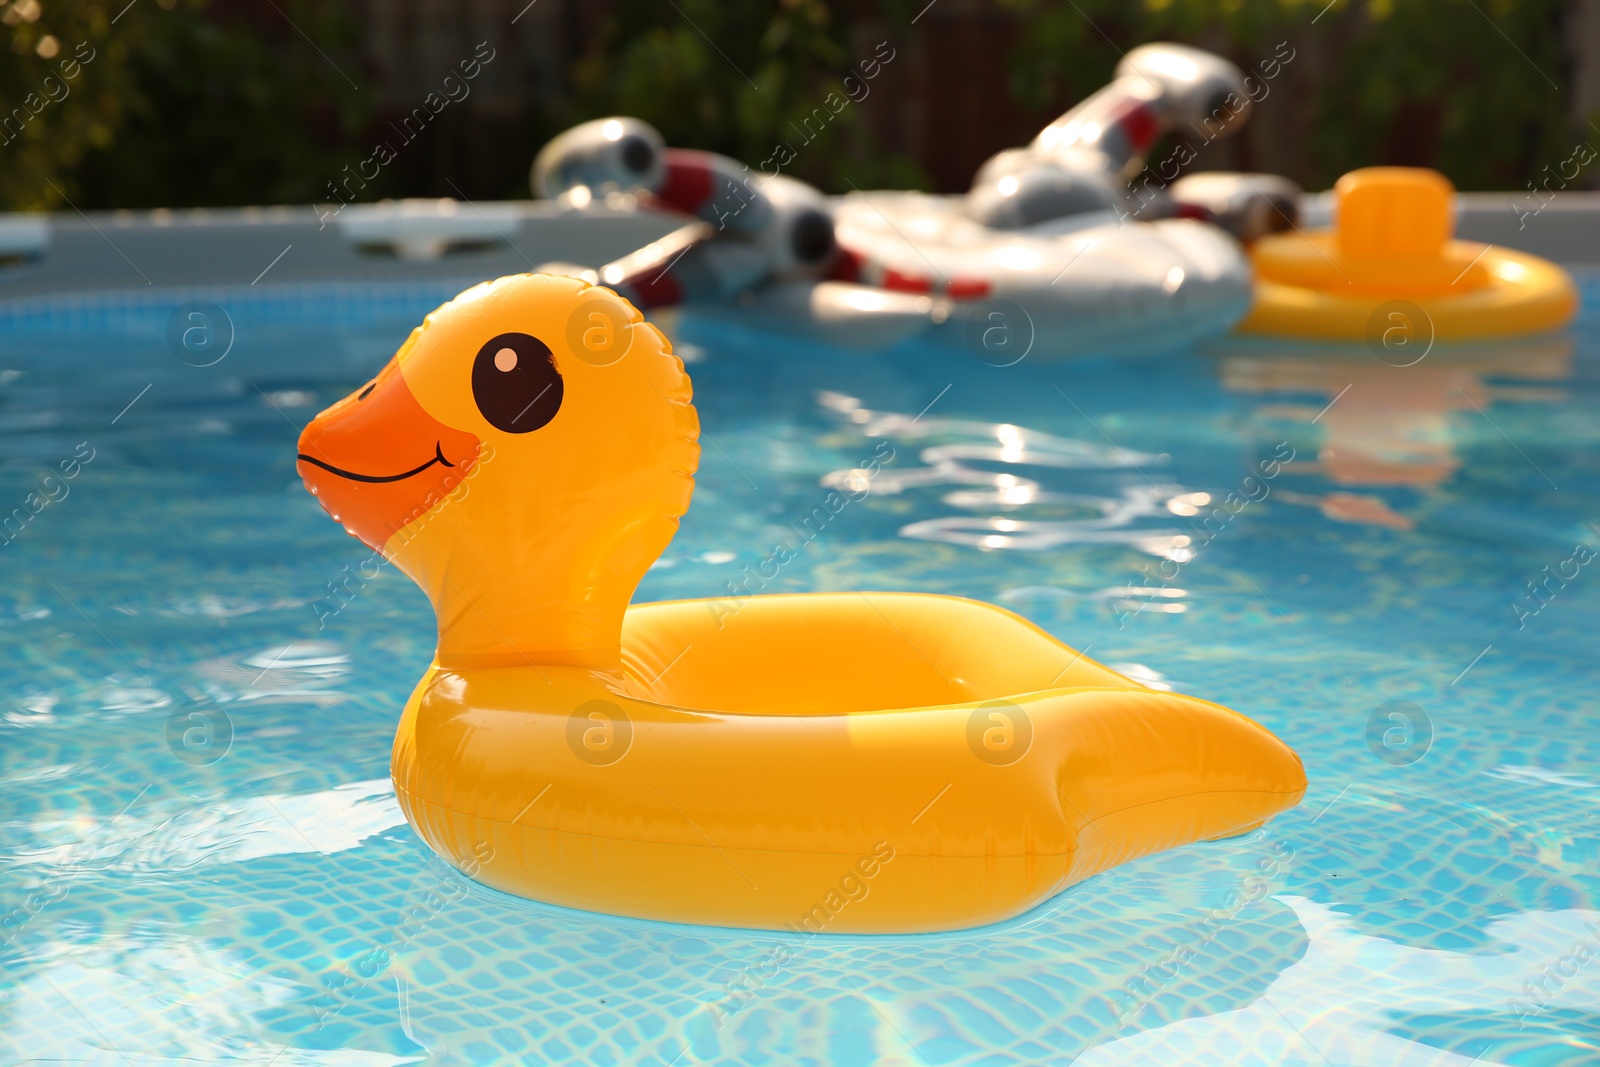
<point>1389,272</point>
<point>835,762</point>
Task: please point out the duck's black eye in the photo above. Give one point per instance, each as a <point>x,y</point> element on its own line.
<point>515,383</point>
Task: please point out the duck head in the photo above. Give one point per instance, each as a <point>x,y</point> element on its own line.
<point>524,458</point>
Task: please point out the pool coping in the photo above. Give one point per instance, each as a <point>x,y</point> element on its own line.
<point>126,250</point>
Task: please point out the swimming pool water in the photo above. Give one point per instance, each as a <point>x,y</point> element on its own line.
<point>201,859</point>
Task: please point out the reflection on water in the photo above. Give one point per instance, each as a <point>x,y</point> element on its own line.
<point>299,672</point>
<point>176,834</point>
<point>1391,426</point>
<point>1161,599</point>
<point>966,445</point>
<point>1355,998</point>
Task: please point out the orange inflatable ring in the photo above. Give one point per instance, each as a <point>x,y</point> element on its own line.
<point>838,762</point>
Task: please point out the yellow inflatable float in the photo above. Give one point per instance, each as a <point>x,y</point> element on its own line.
<point>836,762</point>
<point>1390,273</point>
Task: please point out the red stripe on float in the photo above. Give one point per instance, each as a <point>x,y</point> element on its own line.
<point>904,283</point>
<point>1139,123</point>
<point>966,288</point>
<point>846,268</point>
<point>688,181</point>
<point>652,288</point>
<point>1193,211</point>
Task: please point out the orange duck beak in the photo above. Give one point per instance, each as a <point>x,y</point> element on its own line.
<point>377,460</point>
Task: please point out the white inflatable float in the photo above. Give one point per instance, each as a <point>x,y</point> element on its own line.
<point>1077,285</point>
<point>1055,251</point>
<point>759,248</point>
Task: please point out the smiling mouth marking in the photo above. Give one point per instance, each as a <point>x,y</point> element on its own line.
<point>438,457</point>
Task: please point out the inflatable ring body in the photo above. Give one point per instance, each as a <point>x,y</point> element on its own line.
<point>880,762</point>
<point>1391,248</point>
<point>840,762</point>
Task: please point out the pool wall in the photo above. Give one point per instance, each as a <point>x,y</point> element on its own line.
<point>126,249</point>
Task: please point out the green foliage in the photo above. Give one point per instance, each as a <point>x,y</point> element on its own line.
<point>1489,88</point>
<point>179,105</point>
<point>176,108</point>
<point>1467,86</point>
<point>62,89</point>
<point>738,79</point>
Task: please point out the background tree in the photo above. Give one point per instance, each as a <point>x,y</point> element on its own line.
<point>737,79</point>
<point>202,102</point>
<point>1475,88</point>
<point>181,105</point>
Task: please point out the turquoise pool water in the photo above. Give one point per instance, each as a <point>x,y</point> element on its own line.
<point>201,860</point>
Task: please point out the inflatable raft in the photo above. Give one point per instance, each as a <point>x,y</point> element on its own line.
<point>1072,240</point>
<point>832,762</point>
